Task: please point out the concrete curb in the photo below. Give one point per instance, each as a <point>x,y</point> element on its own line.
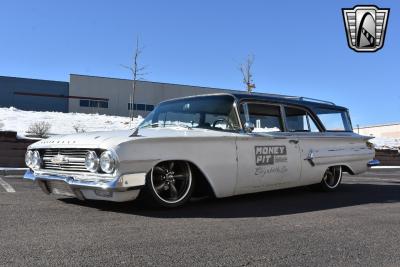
<point>10,171</point>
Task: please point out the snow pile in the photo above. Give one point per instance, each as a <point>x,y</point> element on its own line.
<point>266,130</point>
<point>386,143</point>
<point>12,119</point>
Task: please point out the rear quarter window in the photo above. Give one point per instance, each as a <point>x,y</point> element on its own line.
<point>334,120</point>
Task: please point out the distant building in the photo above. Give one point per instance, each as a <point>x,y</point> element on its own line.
<point>33,94</point>
<point>91,94</point>
<point>384,130</point>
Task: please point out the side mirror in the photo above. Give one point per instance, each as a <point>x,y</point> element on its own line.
<point>249,127</point>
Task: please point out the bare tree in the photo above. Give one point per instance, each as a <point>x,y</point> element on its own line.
<point>39,129</point>
<point>79,128</point>
<point>247,73</point>
<point>137,72</point>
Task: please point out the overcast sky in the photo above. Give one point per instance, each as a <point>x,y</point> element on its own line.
<point>300,47</point>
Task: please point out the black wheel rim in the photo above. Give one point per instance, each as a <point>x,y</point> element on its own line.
<point>171,180</point>
<point>333,176</point>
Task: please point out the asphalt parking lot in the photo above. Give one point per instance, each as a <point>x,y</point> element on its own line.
<point>358,225</point>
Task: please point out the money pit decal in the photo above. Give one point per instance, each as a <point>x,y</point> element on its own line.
<point>269,155</point>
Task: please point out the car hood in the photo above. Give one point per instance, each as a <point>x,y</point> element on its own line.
<point>92,139</point>
<point>111,139</point>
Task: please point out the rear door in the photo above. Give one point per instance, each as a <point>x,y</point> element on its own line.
<point>300,124</point>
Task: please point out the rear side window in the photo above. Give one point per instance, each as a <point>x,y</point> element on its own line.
<point>299,120</point>
<point>334,120</point>
<point>266,118</point>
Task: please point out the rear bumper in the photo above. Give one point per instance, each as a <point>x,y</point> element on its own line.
<point>373,163</point>
<point>122,188</point>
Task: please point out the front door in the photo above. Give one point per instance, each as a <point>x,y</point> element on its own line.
<point>267,157</point>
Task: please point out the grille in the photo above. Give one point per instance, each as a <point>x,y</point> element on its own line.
<point>74,159</point>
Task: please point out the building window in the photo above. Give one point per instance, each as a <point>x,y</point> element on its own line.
<point>130,106</point>
<point>103,104</point>
<point>84,103</point>
<point>143,107</point>
<point>140,107</point>
<point>93,103</point>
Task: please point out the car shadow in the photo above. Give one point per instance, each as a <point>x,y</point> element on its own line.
<point>266,204</point>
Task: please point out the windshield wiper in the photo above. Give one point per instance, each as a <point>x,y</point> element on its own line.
<point>136,132</point>
<point>157,124</point>
<point>179,125</point>
<point>149,125</point>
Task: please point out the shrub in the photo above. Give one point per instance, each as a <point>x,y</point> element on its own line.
<point>39,129</point>
<point>79,128</point>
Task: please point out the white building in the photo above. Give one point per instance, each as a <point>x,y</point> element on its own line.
<point>391,130</point>
<point>90,94</point>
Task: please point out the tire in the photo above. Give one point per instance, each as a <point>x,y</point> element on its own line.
<point>169,184</point>
<point>332,179</point>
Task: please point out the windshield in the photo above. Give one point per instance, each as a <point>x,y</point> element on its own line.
<point>334,120</point>
<point>206,112</point>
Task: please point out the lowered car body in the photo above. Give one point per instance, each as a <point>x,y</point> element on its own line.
<point>229,144</point>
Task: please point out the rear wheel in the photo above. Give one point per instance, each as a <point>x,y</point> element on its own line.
<point>332,179</point>
<point>170,183</point>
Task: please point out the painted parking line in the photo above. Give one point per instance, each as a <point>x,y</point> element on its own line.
<point>371,179</point>
<point>6,186</point>
<point>385,167</point>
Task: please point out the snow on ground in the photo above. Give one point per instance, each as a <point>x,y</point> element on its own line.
<point>12,119</point>
<point>386,143</point>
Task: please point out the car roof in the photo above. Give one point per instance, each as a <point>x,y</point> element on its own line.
<point>293,100</point>
<point>310,103</point>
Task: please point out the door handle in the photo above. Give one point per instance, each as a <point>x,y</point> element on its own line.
<point>294,141</point>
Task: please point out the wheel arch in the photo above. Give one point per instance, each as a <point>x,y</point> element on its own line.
<point>203,186</point>
<point>347,168</point>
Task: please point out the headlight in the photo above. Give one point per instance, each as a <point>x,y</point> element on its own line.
<point>36,160</point>
<point>28,158</point>
<point>107,162</point>
<point>91,161</point>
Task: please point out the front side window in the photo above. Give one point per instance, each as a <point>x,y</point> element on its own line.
<point>299,120</point>
<point>210,112</point>
<point>265,117</point>
<point>334,120</point>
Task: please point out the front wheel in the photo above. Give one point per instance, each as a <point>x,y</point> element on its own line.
<point>332,179</point>
<point>170,183</point>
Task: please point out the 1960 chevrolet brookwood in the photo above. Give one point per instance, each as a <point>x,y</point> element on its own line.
<point>220,144</point>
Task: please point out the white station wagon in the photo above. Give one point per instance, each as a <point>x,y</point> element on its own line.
<point>220,144</point>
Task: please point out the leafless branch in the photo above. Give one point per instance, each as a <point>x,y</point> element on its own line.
<point>247,73</point>
<point>137,71</point>
<point>39,129</point>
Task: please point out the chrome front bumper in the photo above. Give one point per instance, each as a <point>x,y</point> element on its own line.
<point>123,188</point>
